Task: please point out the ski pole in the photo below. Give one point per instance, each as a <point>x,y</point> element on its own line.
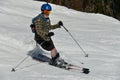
<point>86,55</point>
<point>14,68</point>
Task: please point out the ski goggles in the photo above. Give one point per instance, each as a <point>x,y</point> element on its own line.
<point>47,12</point>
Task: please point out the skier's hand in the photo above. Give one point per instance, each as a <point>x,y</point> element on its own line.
<point>47,39</point>
<point>32,25</point>
<point>60,23</point>
<point>50,34</point>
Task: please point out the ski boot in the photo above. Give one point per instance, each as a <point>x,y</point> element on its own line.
<point>53,60</point>
<point>58,62</point>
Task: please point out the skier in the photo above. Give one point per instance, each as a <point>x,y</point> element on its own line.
<point>42,35</point>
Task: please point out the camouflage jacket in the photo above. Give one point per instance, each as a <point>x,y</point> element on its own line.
<point>43,26</point>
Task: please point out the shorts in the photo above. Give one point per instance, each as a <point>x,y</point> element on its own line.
<point>47,45</point>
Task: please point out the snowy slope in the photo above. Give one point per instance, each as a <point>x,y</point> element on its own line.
<point>98,35</point>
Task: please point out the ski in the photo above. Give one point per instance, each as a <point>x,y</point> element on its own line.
<point>71,67</point>
<point>66,66</point>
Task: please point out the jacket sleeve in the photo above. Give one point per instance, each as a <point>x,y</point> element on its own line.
<point>54,26</point>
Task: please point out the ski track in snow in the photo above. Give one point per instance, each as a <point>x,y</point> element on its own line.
<point>98,35</point>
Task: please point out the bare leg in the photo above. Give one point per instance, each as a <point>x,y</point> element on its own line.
<point>53,52</point>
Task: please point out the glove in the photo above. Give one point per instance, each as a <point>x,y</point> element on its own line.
<point>60,23</point>
<point>47,37</point>
<point>32,25</point>
<point>50,34</point>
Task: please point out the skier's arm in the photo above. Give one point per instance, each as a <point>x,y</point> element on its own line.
<point>58,25</point>
<point>54,26</point>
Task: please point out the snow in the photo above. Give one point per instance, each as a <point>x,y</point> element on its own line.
<point>98,35</point>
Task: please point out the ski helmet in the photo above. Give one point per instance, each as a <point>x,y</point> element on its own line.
<point>46,7</point>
